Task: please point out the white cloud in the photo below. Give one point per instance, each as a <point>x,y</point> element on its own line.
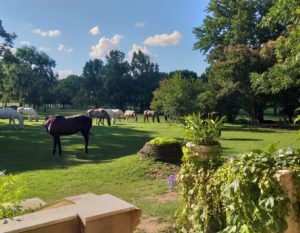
<point>104,46</point>
<point>140,24</point>
<point>25,43</point>
<point>64,73</point>
<point>164,39</point>
<point>12,50</point>
<point>44,49</point>
<point>63,48</point>
<point>50,33</point>
<point>94,31</point>
<point>136,48</point>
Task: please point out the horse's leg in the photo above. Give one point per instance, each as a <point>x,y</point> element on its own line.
<point>153,118</point>
<point>54,145</point>
<point>157,118</point>
<point>85,134</point>
<point>59,146</point>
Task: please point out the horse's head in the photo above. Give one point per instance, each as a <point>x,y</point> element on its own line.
<point>47,122</point>
<point>20,109</point>
<point>90,112</point>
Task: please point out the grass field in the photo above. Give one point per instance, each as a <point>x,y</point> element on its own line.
<point>112,165</point>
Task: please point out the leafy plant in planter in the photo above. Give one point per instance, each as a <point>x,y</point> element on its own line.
<point>203,135</point>
<point>203,132</point>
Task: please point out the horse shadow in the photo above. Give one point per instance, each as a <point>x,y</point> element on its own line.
<point>30,148</point>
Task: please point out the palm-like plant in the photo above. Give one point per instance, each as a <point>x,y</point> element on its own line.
<point>203,131</point>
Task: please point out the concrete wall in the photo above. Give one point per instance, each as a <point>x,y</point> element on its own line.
<point>87,213</point>
<point>285,178</point>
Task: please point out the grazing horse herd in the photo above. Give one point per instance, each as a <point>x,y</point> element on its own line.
<point>58,126</point>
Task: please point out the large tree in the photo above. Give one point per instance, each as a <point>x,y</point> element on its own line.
<point>231,38</point>
<point>116,80</point>
<point>176,95</point>
<point>146,77</point>
<point>282,79</point>
<point>68,91</point>
<point>29,78</point>
<point>92,80</point>
<point>7,39</point>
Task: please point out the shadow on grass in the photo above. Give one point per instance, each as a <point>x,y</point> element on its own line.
<point>263,128</point>
<point>242,139</point>
<point>31,148</point>
<point>247,128</point>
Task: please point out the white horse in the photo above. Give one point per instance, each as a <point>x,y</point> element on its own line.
<point>117,113</point>
<point>130,114</point>
<point>111,114</point>
<point>28,111</point>
<point>11,114</point>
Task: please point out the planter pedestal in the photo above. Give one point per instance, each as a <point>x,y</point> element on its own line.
<point>285,178</point>
<point>203,153</point>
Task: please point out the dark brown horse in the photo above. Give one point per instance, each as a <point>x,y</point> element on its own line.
<point>60,125</point>
<point>150,113</point>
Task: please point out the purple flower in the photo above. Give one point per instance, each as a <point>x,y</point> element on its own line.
<point>229,159</point>
<point>290,148</point>
<point>171,180</point>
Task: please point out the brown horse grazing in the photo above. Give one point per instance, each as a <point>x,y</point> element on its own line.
<point>60,125</point>
<point>152,114</point>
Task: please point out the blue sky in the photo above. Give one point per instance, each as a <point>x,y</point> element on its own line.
<point>75,31</point>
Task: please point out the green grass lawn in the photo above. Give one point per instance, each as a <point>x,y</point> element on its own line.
<point>112,165</point>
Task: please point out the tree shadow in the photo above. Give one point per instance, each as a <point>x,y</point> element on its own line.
<point>241,139</point>
<point>247,128</point>
<point>31,148</point>
<point>262,128</point>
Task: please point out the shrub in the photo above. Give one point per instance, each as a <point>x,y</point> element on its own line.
<point>159,141</point>
<point>10,194</point>
<point>241,195</point>
<point>162,149</point>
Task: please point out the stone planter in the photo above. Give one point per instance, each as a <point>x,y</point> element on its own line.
<point>203,153</point>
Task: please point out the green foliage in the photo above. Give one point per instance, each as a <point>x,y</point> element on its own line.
<point>173,98</point>
<point>10,193</point>
<point>297,119</point>
<point>159,141</point>
<point>28,77</point>
<point>241,195</point>
<point>203,132</point>
<point>8,39</point>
